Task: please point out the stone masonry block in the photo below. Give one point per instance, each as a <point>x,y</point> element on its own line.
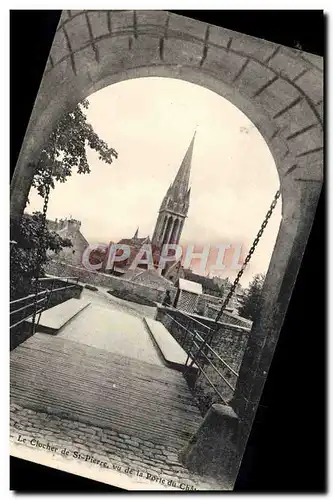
<point>258,49</point>
<point>73,13</point>
<point>147,18</point>
<point>78,32</point>
<point>187,26</point>
<point>308,140</point>
<point>310,167</point>
<point>278,96</point>
<point>219,36</point>
<point>320,110</point>
<point>121,20</point>
<point>146,49</point>
<point>99,23</point>
<point>286,64</point>
<point>48,65</point>
<point>85,60</point>
<point>315,60</point>
<point>59,47</point>
<point>222,63</point>
<point>113,53</point>
<point>65,14</point>
<point>312,83</point>
<point>182,52</point>
<point>253,78</point>
<point>296,118</point>
<point>279,149</point>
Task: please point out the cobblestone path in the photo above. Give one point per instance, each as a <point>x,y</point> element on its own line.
<point>97,447</point>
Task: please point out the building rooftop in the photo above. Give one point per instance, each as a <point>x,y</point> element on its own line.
<point>190,286</point>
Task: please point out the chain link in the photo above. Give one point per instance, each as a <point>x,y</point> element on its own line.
<point>41,247</point>
<point>249,255</point>
<point>208,340</point>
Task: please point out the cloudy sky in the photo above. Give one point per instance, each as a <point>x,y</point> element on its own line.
<point>150,122</point>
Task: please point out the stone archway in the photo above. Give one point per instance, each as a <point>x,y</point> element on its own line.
<point>279,89</point>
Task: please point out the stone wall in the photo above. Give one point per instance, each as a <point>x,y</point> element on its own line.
<point>229,342</point>
<point>205,300</point>
<point>106,280</point>
<point>62,291</point>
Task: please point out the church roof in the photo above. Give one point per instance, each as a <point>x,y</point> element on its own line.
<point>149,277</point>
<point>134,241</point>
<point>190,286</point>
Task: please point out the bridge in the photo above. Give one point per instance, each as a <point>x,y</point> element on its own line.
<point>104,379</point>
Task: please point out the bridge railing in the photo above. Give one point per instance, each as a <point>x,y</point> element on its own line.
<point>33,304</point>
<point>210,375</point>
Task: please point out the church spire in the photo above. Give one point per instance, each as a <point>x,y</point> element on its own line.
<point>180,185</point>
<point>175,204</point>
<point>136,235</point>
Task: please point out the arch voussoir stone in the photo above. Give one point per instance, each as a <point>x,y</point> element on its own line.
<point>60,48</point>
<point>99,23</point>
<point>77,30</point>
<point>224,64</point>
<point>182,52</point>
<point>254,78</point>
<point>150,19</point>
<point>185,26</point>
<point>306,139</point>
<point>122,20</point>
<point>285,62</point>
<point>296,118</point>
<point>312,84</point>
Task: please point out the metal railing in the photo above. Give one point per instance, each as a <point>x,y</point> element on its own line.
<point>201,355</point>
<point>35,303</point>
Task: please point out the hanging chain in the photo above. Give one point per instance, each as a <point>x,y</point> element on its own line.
<point>206,341</point>
<point>249,255</point>
<point>41,247</point>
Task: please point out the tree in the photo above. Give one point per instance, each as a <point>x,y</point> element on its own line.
<point>253,298</point>
<point>26,250</point>
<point>65,151</point>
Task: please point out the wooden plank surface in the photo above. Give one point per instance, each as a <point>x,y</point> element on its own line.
<point>105,389</point>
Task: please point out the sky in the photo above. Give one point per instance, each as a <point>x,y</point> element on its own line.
<point>150,123</point>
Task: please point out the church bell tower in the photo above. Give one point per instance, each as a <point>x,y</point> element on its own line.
<point>175,205</point>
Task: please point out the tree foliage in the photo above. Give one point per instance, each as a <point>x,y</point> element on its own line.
<point>26,250</point>
<point>66,150</point>
<point>253,298</point>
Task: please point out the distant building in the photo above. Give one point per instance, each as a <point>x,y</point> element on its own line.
<point>71,229</point>
<point>187,296</point>
<point>135,243</point>
<point>209,287</point>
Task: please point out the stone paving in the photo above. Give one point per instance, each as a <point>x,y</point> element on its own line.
<point>107,328</point>
<point>102,298</point>
<point>106,448</point>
